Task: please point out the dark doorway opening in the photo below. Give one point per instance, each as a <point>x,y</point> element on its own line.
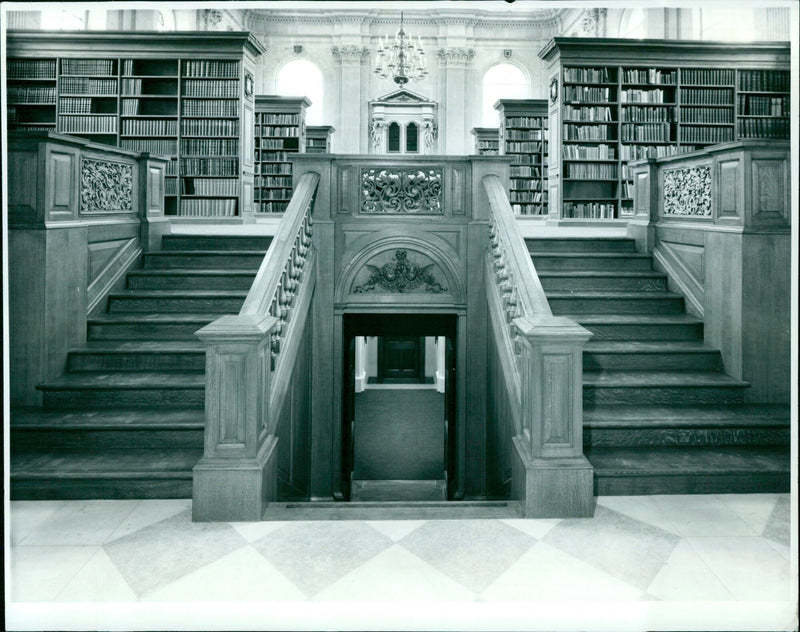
<point>403,441</point>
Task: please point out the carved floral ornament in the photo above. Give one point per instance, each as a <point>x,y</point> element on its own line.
<point>402,191</point>
<point>351,55</point>
<point>106,187</point>
<point>456,56</point>
<point>400,276</point>
<point>688,192</point>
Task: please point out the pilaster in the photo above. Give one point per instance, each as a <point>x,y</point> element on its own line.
<point>350,60</point>
<point>458,78</point>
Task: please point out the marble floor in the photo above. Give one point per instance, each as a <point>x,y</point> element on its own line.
<point>643,562</point>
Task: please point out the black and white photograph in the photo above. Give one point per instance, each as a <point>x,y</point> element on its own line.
<point>400,315</point>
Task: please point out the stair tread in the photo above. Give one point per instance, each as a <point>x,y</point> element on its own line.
<point>645,379</point>
<point>143,293</point>
<point>646,274</point>
<point>97,380</point>
<point>583,255</point>
<point>154,317</point>
<point>625,319</point>
<point>190,272</point>
<point>687,460</point>
<point>140,346</point>
<point>161,418</point>
<point>733,415</point>
<point>96,464</point>
<point>612,294</point>
<point>648,346</point>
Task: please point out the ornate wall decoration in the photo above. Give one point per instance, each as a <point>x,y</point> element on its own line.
<point>593,23</point>
<point>208,19</point>
<point>350,55</point>
<point>376,134</point>
<point>400,276</point>
<point>402,191</point>
<point>430,132</point>
<point>457,57</point>
<point>106,187</point>
<point>688,192</point>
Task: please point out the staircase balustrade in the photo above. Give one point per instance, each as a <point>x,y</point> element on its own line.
<point>249,362</point>
<point>541,361</point>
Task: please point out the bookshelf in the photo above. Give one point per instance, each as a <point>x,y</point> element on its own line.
<point>487,141</point>
<point>523,135</point>
<point>677,97</point>
<point>187,96</point>
<point>279,133</point>
<point>318,139</point>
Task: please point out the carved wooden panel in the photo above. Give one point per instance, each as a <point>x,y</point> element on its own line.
<point>455,198</point>
<point>232,417</point>
<point>106,187</point>
<point>154,192</point>
<point>247,149</point>
<point>346,184</point>
<point>769,190</point>
<point>727,188</point>
<point>397,273</point>
<point>557,394</point>
<point>61,182</point>
<point>687,192</point>
<point>22,189</point>
<point>642,193</point>
<point>401,191</point>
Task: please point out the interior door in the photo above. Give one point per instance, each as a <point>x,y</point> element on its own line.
<point>400,359</point>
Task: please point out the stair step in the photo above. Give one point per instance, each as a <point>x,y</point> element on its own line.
<point>690,470</point>
<point>630,261</point>
<point>113,473</point>
<point>632,426</point>
<point>641,326</point>
<point>385,490</point>
<point>216,242</point>
<point>660,388</point>
<point>162,428</point>
<point>628,355</point>
<point>581,244</point>
<point>205,260</point>
<point>147,326</point>
<point>589,302</point>
<point>110,390</point>
<point>144,355</point>
<point>621,281</point>
<point>399,510</point>
<point>163,301</point>
<point>178,279</point>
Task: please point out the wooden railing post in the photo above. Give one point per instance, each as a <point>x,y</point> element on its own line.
<point>645,204</point>
<point>236,477</point>
<point>155,224</point>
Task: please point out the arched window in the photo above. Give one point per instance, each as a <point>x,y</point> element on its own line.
<point>412,138</point>
<point>502,81</point>
<point>301,78</point>
<point>393,138</point>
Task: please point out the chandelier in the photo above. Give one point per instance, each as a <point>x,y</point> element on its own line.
<point>401,59</point>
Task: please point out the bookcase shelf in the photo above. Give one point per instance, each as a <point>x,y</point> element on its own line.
<point>280,131</point>
<point>676,97</point>
<point>163,93</point>
<point>487,140</point>
<point>523,135</point>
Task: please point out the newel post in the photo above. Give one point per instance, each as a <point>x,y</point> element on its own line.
<point>237,475</point>
<point>642,227</point>
<point>551,476</point>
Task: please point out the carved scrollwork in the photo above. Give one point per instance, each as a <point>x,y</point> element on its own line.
<point>688,191</point>
<point>402,191</point>
<point>400,276</point>
<point>106,187</point>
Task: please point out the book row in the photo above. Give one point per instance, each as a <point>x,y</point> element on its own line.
<point>31,94</point>
<point>210,186</point>
<point>275,143</point>
<point>526,185</point>
<point>521,134</point>
<point>590,171</point>
<point>488,145</point>
<point>208,208</point>
<point>274,181</point>
<point>150,127</point>
<point>591,75</point>
<point>172,167</point>
<point>764,80</point>
<point>158,146</point>
<point>642,96</point>
<point>763,106</point>
<point>210,166</point>
<point>204,127</point>
<point>88,124</point>
<point>589,210</point>
<point>75,105</point>
<point>706,115</point>
<point>638,152</point>
<point>648,75</point>
<point>596,113</point>
<point>530,159</point>
<point>277,119</point>
<point>271,130</point>
<point>219,89</point>
<point>170,186</point>
<point>525,171</point>
<point>525,197</point>
<point>649,132</point>
<point>277,156</point>
<point>586,132</point>
<point>638,114</point>
<point>274,168</point>
<point>584,152</point>
<point>707,96</point>
<point>526,121</point>
<point>585,94</point>
<point>88,67</point>
<point>85,85</point>
<point>523,147</point>
<point>210,146</point>
<point>139,107</point>
<point>764,128</point>
<point>205,68</point>
<point>275,194</point>
<point>273,207</point>
<point>710,135</point>
<point>200,107</point>
<point>31,68</point>
<point>707,76</point>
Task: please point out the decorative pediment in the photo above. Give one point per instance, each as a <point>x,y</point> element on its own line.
<point>402,96</point>
<point>399,271</point>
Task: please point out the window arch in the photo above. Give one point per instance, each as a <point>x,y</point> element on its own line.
<point>302,78</point>
<point>502,81</point>
<point>393,137</point>
<point>412,138</point>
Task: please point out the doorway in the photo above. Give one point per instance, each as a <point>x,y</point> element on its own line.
<point>399,432</point>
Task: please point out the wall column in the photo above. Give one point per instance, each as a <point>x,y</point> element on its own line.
<point>350,127</point>
<point>457,75</point>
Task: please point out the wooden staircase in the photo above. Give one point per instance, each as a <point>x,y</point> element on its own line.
<point>660,414</point>
<point>125,420</point>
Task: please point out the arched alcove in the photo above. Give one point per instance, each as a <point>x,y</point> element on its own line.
<point>302,78</point>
